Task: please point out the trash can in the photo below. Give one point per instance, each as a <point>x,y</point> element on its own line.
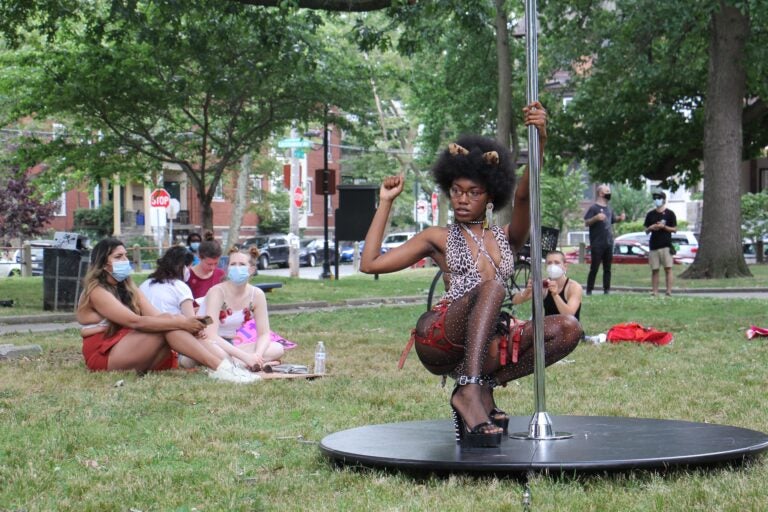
<point>63,272</point>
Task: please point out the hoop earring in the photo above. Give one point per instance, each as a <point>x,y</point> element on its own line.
<point>488,216</point>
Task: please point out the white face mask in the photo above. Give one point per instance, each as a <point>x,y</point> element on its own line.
<point>555,271</point>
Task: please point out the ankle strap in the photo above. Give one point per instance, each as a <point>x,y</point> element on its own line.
<point>463,380</point>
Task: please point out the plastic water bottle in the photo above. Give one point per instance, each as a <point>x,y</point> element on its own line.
<point>320,358</point>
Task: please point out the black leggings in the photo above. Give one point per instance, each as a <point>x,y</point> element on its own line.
<point>604,255</point>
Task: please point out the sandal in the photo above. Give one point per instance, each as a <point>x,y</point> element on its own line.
<point>481,435</point>
<point>499,417</point>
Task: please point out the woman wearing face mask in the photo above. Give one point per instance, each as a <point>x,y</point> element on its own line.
<point>122,330</point>
<point>234,303</point>
<point>563,296</point>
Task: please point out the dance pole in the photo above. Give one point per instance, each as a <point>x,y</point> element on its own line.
<point>540,426</point>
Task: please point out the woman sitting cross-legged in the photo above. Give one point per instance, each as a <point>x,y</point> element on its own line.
<point>122,330</point>
<point>232,305</point>
<point>167,291</point>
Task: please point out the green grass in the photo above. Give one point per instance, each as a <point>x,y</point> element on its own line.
<point>74,440</point>
<point>27,293</point>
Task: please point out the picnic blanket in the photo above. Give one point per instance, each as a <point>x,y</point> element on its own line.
<point>755,331</point>
<point>634,332</point>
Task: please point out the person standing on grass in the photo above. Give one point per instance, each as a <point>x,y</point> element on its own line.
<point>600,219</point>
<point>206,273</point>
<point>660,222</point>
<point>122,330</point>
<point>562,295</point>
<point>193,244</point>
<point>465,335</point>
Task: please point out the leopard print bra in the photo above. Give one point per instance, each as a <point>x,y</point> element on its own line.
<point>463,273</point>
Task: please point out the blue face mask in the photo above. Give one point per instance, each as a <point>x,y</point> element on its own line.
<point>121,270</point>
<point>194,246</point>
<point>658,202</point>
<point>238,274</point>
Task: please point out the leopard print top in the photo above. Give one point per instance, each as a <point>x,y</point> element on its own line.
<point>463,273</point>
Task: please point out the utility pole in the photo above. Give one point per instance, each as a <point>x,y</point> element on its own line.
<point>326,258</point>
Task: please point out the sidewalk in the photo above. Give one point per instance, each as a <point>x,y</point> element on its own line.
<point>53,322</point>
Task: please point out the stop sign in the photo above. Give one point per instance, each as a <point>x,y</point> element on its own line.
<point>160,198</point>
<point>298,197</point>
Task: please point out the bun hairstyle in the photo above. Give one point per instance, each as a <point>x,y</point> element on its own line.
<point>481,160</point>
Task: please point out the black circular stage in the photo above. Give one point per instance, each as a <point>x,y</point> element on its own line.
<point>598,444</point>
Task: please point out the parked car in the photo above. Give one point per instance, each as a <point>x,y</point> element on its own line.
<point>686,243</point>
<point>312,251</point>
<point>37,255</point>
<point>273,249</point>
<point>9,268</point>
<point>750,250</point>
<point>347,252</point>
<point>393,240</point>
<point>624,251</point>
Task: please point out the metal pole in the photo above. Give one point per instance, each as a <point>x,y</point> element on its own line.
<point>540,426</point>
<point>326,260</point>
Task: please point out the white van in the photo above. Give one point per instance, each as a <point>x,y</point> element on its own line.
<point>393,240</point>
<point>685,242</point>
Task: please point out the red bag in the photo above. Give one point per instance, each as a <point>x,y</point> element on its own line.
<point>632,331</point>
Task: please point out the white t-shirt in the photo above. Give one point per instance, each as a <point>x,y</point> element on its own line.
<point>168,296</point>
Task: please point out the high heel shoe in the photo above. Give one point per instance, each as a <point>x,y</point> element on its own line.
<point>497,416</point>
<point>479,436</point>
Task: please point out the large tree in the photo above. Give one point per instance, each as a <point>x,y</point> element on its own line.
<point>153,84</point>
<point>662,91</point>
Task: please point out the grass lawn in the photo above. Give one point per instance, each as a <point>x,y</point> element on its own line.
<point>27,293</point>
<point>74,440</point>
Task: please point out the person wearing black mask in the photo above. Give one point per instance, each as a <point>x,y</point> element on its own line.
<point>660,223</point>
<point>600,219</point>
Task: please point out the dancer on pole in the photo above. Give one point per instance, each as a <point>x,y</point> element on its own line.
<point>466,335</point>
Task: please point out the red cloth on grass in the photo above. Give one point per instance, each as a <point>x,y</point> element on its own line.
<point>633,331</point>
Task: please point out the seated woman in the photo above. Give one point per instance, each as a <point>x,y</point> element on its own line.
<point>122,330</point>
<point>562,296</point>
<point>462,336</point>
<point>232,304</point>
<point>206,273</point>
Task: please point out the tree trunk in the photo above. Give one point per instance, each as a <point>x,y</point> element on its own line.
<point>504,124</point>
<point>206,211</point>
<point>720,249</point>
<point>241,202</point>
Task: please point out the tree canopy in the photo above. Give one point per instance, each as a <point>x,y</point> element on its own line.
<point>195,88</point>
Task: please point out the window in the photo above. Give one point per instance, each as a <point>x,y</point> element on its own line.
<point>257,191</point>
<point>62,205</point>
<point>218,194</point>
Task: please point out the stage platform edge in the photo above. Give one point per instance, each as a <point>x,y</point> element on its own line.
<point>599,443</point>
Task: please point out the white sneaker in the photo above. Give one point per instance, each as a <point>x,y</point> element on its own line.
<point>227,372</point>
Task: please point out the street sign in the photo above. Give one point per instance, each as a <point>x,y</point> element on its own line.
<point>298,197</point>
<point>421,211</point>
<point>160,198</point>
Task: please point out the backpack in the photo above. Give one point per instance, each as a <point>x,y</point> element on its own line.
<point>633,331</point>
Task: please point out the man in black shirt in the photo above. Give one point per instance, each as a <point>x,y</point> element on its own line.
<point>660,222</point>
<point>600,220</point>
